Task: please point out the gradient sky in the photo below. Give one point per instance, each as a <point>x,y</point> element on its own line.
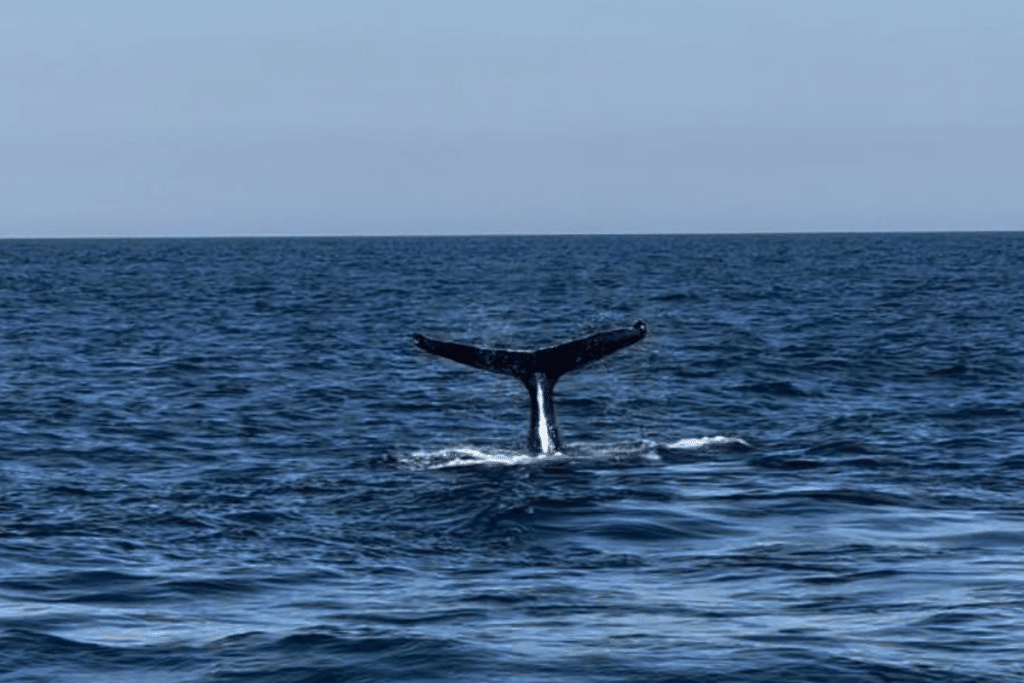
<point>338,117</point>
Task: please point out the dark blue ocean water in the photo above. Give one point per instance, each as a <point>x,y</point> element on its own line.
<point>223,460</point>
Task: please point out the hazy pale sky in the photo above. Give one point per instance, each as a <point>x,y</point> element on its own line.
<point>338,117</point>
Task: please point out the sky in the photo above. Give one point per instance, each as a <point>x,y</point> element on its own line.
<point>121,118</point>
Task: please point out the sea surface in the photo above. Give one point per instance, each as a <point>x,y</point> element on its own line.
<point>224,461</point>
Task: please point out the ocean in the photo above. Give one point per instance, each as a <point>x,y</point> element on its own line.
<point>223,460</point>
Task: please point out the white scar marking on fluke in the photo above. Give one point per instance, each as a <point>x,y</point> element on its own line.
<point>545,444</point>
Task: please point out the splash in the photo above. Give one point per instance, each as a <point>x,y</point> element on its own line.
<point>711,443</point>
<point>635,453</point>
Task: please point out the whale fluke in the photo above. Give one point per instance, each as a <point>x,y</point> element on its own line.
<point>538,371</point>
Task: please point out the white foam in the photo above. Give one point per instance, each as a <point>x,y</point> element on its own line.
<point>710,443</point>
<point>643,452</point>
<point>467,456</point>
<point>470,456</point>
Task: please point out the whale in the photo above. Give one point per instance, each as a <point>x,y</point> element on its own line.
<point>538,370</point>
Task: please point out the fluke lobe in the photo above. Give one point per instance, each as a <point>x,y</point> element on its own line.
<point>538,371</point>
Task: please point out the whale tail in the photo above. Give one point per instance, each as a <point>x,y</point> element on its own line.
<point>538,371</point>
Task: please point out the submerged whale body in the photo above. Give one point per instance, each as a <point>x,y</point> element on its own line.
<point>538,371</point>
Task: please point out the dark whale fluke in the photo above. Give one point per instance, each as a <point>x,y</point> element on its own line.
<point>538,371</point>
